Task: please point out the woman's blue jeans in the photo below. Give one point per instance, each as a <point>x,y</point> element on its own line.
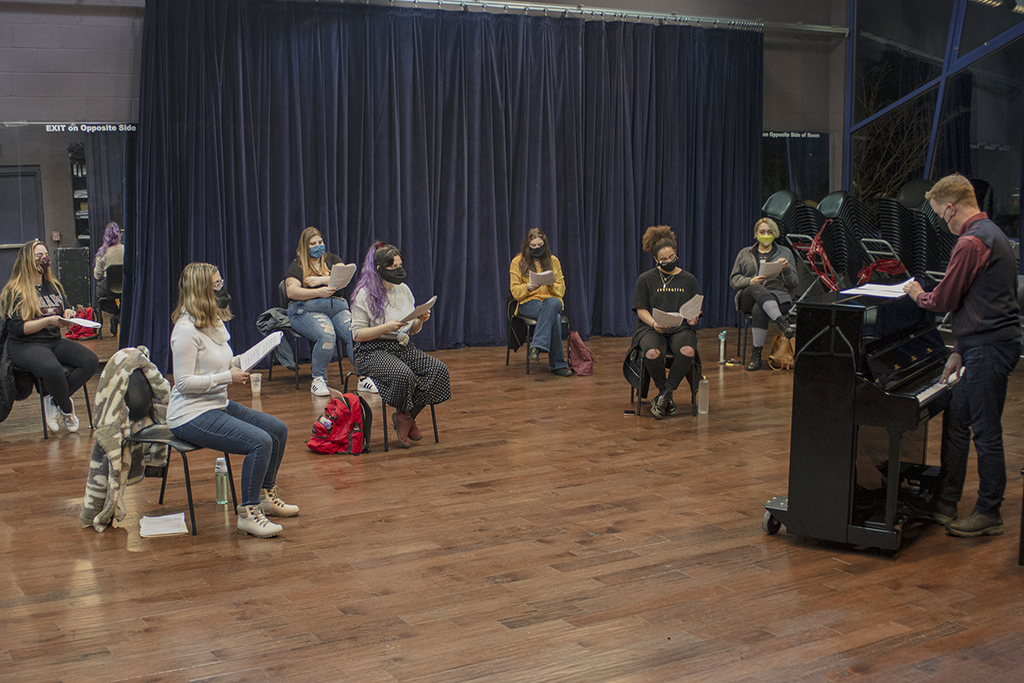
<point>239,429</point>
<point>324,322</point>
<point>547,336</point>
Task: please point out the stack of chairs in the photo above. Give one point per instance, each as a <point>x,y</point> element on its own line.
<point>940,241</point>
<point>906,233</point>
<point>800,223</point>
<point>854,221</point>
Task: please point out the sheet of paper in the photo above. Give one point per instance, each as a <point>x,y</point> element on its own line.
<point>770,269</point>
<point>261,349</point>
<point>82,321</point>
<point>341,275</point>
<point>420,310</point>
<point>884,291</point>
<point>692,308</point>
<point>165,525</point>
<point>666,319</point>
<point>541,279</point>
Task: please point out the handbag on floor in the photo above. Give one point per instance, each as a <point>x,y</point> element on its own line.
<point>783,355</point>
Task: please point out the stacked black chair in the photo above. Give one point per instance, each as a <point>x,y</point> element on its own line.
<point>939,242</point>
<point>799,223</point>
<point>854,221</point>
<point>906,233</point>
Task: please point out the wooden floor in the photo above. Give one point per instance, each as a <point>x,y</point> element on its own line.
<point>548,537</point>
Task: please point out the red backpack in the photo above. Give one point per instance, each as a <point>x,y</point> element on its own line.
<point>581,358</point>
<point>344,426</point>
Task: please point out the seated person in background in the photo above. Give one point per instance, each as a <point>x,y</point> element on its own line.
<point>318,313</point>
<point>199,410</point>
<point>33,303</point>
<point>542,303</point>
<point>764,300</point>
<point>407,378</point>
<point>110,254</point>
<point>665,287</point>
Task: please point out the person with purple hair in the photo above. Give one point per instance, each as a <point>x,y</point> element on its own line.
<point>110,254</point>
<point>407,379</point>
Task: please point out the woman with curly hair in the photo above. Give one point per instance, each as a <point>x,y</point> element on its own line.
<point>408,379</point>
<point>110,254</point>
<point>665,287</point>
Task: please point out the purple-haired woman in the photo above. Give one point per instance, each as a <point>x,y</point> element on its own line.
<point>407,378</point>
<point>110,254</point>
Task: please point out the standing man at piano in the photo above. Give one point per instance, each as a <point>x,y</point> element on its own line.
<point>980,288</point>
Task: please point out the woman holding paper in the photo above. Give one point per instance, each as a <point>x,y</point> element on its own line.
<point>199,410</point>
<point>533,265</point>
<point>317,311</point>
<point>408,379</point>
<point>33,307</point>
<point>764,283</point>
<point>665,290</point>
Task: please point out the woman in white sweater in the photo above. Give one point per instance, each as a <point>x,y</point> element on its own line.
<point>199,410</point>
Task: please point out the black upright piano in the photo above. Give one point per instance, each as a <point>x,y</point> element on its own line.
<point>866,367</point>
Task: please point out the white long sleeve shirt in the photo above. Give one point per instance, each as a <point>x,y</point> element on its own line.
<point>202,370</point>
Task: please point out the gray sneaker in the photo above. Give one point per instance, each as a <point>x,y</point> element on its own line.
<point>52,414</point>
<point>976,524</point>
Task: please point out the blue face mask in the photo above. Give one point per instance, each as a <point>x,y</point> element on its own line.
<point>317,251</point>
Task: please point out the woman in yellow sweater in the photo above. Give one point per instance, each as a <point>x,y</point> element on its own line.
<point>542,302</point>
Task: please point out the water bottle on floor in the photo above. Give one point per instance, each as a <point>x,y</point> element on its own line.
<point>721,347</point>
<point>220,474</point>
<point>703,396</point>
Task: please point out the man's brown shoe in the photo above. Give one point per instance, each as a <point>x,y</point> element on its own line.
<point>976,524</point>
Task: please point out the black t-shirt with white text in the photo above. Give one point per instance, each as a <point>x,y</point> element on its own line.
<point>668,293</point>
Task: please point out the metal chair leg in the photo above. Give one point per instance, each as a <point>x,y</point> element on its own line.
<point>433,419</point>
<point>231,480</point>
<point>188,490</point>
<point>163,483</point>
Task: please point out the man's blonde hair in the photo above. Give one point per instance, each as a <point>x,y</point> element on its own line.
<point>953,189</point>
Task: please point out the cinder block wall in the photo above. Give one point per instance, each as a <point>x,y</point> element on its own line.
<point>70,61</point>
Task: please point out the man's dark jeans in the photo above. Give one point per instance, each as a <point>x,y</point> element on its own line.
<point>977,406</point>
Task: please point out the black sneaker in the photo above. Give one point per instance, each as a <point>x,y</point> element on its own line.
<point>670,405</point>
<point>534,353</point>
<point>931,508</point>
<point>976,524</point>
<point>658,406</point>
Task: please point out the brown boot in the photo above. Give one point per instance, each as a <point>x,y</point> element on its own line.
<point>402,421</point>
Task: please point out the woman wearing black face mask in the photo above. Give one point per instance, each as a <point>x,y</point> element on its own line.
<point>33,303</point>
<point>542,303</point>
<point>665,287</point>
<point>406,378</point>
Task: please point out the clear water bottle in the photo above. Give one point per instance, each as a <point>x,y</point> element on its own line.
<point>703,396</point>
<point>721,347</point>
<point>220,474</point>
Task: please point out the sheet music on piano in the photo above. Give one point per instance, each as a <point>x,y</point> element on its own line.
<point>884,291</point>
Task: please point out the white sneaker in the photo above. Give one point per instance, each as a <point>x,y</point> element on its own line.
<point>70,419</point>
<point>319,387</point>
<point>366,384</point>
<point>253,522</point>
<point>52,415</point>
<point>272,505</point>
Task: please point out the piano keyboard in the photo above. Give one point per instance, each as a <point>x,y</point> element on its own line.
<point>928,393</point>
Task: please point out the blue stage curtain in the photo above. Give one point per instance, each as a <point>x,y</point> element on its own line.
<point>449,134</point>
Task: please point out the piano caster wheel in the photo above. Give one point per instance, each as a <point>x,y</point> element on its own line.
<point>770,525</point>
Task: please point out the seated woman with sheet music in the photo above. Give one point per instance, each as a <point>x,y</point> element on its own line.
<point>765,297</point>
<point>665,289</point>
<point>407,378</point>
<point>199,410</point>
<point>33,305</point>
<point>540,302</point>
<point>315,310</point>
